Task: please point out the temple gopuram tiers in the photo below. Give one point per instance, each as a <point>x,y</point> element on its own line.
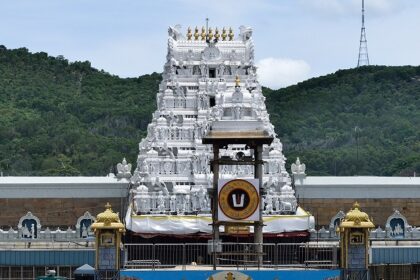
<point>209,75</point>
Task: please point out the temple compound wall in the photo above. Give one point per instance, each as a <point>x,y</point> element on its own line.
<point>379,196</point>
<point>54,212</point>
<point>379,208</point>
<point>59,201</point>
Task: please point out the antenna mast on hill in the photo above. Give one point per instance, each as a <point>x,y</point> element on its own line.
<point>363,50</point>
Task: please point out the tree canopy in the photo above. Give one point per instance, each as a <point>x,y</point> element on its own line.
<point>61,118</point>
<point>363,121</point>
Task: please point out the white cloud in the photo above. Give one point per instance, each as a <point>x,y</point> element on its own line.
<point>281,72</point>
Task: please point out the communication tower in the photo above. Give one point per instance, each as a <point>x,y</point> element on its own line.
<point>363,59</point>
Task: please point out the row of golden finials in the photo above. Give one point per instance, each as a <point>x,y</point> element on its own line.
<point>210,35</point>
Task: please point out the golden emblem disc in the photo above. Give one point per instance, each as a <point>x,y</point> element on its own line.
<point>238,199</point>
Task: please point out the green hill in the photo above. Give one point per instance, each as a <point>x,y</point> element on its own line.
<point>67,118</point>
<point>61,118</point>
<point>363,121</point>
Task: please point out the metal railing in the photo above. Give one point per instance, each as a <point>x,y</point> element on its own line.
<point>51,244</point>
<point>240,255</point>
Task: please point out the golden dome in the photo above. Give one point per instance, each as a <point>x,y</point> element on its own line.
<point>357,218</point>
<point>108,220</point>
<point>355,215</point>
<point>108,216</point>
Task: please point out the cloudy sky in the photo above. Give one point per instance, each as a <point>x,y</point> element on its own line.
<point>294,39</point>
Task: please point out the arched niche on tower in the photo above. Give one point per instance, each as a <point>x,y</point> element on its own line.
<point>83,225</point>
<point>335,223</point>
<point>396,225</point>
<point>29,226</point>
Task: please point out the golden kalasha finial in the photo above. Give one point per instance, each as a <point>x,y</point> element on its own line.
<point>224,35</point>
<point>196,35</point>
<point>217,35</point>
<point>237,81</point>
<point>203,33</point>
<point>230,34</point>
<point>108,205</point>
<point>210,34</point>
<point>189,33</point>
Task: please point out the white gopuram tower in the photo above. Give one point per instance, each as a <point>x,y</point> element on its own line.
<point>208,75</point>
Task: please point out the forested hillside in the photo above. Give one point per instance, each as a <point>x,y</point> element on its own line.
<point>363,121</point>
<point>67,118</point>
<point>61,118</point>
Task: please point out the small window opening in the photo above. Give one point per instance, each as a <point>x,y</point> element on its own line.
<point>212,73</point>
<point>212,101</point>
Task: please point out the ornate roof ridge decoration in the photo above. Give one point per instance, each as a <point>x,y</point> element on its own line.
<point>124,169</point>
<point>174,32</point>
<point>356,218</point>
<point>298,168</point>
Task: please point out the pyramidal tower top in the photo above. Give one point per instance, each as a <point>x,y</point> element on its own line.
<point>209,76</point>
<point>363,58</point>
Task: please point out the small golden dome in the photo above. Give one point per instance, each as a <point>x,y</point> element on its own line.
<point>108,216</point>
<point>210,34</point>
<point>217,35</point>
<point>203,33</point>
<point>356,218</point>
<point>196,34</point>
<point>224,34</point>
<point>108,220</point>
<point>230,35</point>
<point>189,34</point>
<point>237,81</point>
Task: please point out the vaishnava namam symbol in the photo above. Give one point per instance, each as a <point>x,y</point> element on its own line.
<point>238,202</point>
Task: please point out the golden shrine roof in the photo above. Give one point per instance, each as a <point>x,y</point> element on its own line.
<point>356,219</point>
<point>108,219</point>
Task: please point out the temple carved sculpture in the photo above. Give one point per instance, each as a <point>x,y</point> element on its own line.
<point>123,169</point>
